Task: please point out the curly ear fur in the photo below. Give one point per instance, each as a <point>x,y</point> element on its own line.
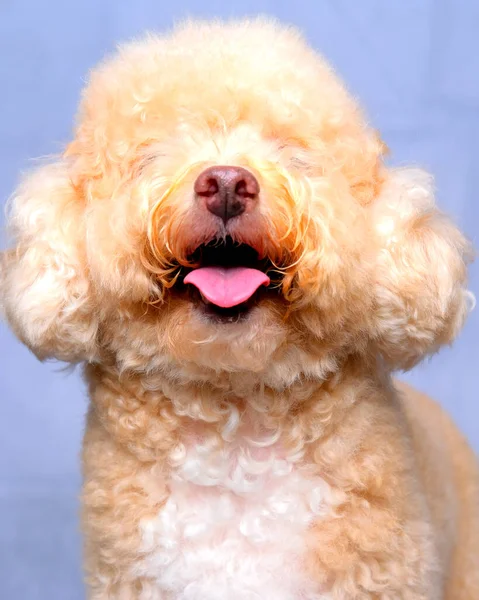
<point>43,286</point>
<point>421,299</point>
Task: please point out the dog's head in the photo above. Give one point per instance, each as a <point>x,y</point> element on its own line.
<point>224,207</point>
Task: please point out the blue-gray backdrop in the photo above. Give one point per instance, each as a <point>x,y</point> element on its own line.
<point>415,66</point>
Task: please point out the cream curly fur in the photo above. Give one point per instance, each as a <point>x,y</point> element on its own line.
<point>273,457</point>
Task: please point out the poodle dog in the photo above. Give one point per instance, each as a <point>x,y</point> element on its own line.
<point>224,248</point>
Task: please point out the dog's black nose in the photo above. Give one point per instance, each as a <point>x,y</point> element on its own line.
<point>227,191</point>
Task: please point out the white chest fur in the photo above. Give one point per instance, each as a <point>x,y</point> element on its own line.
<point>234,525</point>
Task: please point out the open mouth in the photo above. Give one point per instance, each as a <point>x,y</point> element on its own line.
<point>228,279</point>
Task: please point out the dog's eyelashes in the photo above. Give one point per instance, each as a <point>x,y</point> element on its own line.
<point>294,156</point>
<point>146,158</point>
<point>299,163</point>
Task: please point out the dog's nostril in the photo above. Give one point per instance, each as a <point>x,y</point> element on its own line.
<point>228,191</point>
<point>210,189</point>
<point>241,189</point>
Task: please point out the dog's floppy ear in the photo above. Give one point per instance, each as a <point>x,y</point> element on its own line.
<point>44,290</point>
<point>420,294</point>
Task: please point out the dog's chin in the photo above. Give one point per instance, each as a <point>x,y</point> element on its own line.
<point>206,341</point>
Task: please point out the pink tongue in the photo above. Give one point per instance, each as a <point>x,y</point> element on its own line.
<point>227,287</point>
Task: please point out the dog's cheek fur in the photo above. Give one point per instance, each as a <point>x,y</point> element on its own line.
<point>45,293</point>
<point>420,294</point>
<point>115,236</point>
<point>331,288</point>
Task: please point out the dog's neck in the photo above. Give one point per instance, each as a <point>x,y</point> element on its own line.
<point>158,408</point>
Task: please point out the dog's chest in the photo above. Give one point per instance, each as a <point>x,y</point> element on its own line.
<point>234,525</point>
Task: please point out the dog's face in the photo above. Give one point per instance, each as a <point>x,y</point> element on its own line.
<point>224,207</point>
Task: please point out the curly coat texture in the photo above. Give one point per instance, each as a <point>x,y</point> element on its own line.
<point>273,457</point>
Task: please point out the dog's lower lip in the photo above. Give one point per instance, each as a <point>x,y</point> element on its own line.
<point>228,315</point>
